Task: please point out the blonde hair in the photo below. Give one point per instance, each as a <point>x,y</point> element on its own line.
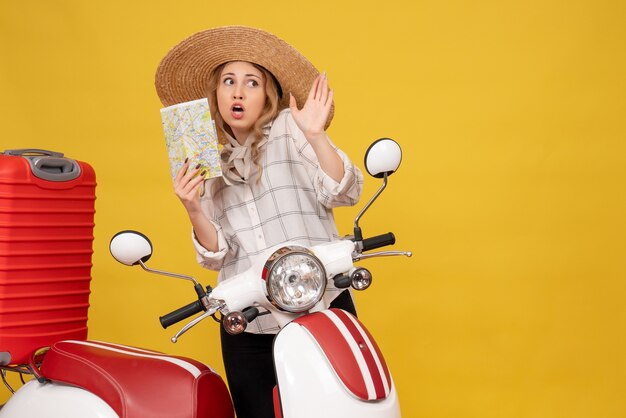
<point>270,110</point>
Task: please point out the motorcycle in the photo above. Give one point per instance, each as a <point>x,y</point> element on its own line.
<point>326,361</point>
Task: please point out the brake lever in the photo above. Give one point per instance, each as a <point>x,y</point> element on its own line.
<point>215,306</point>
<point>360,256</point>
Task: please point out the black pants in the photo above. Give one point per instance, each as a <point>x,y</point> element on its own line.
<point>250,367</point>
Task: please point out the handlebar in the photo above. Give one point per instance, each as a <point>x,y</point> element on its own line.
<point>379,241</point>
<point>181,313</point>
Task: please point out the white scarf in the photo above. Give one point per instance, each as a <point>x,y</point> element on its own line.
<point>237,164</point>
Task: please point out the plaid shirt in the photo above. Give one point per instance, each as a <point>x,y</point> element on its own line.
<point>292,200</point>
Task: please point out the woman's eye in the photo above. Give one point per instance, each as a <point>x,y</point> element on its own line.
<point>228,81</point>
<point>252,83</point>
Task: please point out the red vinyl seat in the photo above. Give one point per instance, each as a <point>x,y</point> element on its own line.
<point>139,383</point>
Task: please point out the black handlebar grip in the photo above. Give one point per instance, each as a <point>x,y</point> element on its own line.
<point>379,241</point>
<point>181,313</point>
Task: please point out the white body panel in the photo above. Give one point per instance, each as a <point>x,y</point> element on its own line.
<point>309,387</point>
<point>336,256</point>
<point>53,400</point>
<point>241,291</point>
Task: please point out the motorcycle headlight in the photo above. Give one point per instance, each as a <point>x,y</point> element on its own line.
<point>295,279</point>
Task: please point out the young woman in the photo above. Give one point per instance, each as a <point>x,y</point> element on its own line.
<point>282,176</point>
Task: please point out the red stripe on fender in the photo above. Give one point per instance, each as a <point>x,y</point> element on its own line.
<point>365,350</point>
<point>379,353</point>
<point>337,351</point>
<point>278,410</point>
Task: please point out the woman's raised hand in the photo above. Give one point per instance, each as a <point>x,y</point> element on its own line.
<point>312,118</point>
<point>186,185</point>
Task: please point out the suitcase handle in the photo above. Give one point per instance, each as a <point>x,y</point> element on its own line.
<point>31,151</point>
<point>48,165</point>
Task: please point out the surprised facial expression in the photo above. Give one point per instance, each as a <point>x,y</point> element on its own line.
<point>241,97</point>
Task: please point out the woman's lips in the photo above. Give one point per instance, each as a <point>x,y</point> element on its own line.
<point>237,111</point>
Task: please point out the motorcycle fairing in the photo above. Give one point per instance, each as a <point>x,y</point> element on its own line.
<point>313,381</point>
<point>139,383</point>
<point>352,352</point>
<point>39,400</point>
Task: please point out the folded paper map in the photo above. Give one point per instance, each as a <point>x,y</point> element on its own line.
<point>190,133</point>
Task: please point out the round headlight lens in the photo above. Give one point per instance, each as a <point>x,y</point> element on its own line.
<point>296,279</point>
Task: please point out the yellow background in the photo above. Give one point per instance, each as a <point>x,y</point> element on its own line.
<point>511,192</point>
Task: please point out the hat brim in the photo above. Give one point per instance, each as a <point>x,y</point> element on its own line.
<point>183,73</point>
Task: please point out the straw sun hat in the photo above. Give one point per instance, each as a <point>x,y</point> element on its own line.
<point>183,73</point>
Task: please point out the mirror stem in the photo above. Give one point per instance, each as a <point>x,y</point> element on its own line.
<point>357,230</point>
<point>165,273</point>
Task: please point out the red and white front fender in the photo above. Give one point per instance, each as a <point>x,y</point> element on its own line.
<point>328,365</point>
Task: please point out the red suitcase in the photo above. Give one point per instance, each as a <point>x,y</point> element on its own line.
<point>46,235</point>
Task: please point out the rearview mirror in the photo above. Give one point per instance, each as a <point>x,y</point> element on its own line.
<point>130,247</point>
<point>383,157</point>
